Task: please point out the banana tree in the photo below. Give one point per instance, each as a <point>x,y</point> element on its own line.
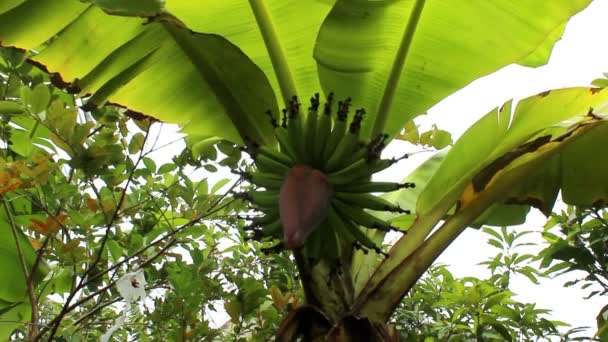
<point>223,66</point>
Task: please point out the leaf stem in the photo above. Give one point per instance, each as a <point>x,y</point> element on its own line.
<point>397,69</point>
<point>384,295</point>
<point>275,49</point>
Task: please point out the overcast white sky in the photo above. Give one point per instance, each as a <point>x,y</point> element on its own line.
<point>580,57</point>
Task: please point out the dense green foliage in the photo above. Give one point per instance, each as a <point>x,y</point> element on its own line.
<point>85,189</point>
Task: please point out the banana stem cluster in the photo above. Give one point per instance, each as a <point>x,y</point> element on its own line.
<point>315,190</point>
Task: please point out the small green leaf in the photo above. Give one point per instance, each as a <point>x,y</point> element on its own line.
<point>41,95</point>
<point>116,251</point>
<point>80,133</point>
<point>150,164</point>
<point>496,299</point>
<point>26,95</point>
<point>61,119</point>
<point>426,138</point>
<point>441,139</point>
<point>600,82</point>
<point>137,143</point>
<point>61,282</point>
<point>203,187</point>
<point>219,185</point>
<point>210,168</point>
<point>496,244</point>
<point>166,168</point>
<point>411,133</point>
<point>21,142</point>
<point>492,232</point>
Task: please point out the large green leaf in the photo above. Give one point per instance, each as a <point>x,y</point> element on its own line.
<point>201,81</point>
<point>500,132</point>
<point>11,273</point>
<point>354,51</point>
<point>485,167</point>
<point>295,21</point>
<point>454,43</point>
<point>11,316</point>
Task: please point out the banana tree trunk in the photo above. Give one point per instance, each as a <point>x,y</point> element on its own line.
<point>329,291</point>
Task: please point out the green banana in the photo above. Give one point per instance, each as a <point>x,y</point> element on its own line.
<point>295,129</point>
<point>265,199</point>
<point>274,229</point>
<point>277,156</point>
<point>378,165</point>
<point>362,217</point>
<point>347,145</point>
<point>369,201</point>
<point>361,152</point>
<point>323,131</point>
<point>355,232</point>
<point>269,181</point>
<point>338,131</point>
<point>267,218</point>
<point>355,171</point>
<point>271,229</point>
<point>267,164</point>
<point>282,136</point>
<point>373,187</point>
<point>311,128</point>
<point>339,225</point>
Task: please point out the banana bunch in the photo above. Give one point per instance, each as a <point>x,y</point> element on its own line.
<point>315,190</point>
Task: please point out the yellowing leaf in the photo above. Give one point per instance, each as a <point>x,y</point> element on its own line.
<point>92,205</point>
<point>50,226</point>
<point>19,175</point>
<point>68,247</point>
<point>292,301</point>
<point>35,243</point>
<point>277,297</point>
<point>411,133</point>
<point>233,308</point>
<point>108,205</point>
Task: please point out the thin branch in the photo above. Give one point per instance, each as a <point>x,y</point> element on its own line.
<point>123,194</point>
<point>94,310</point>
<point>156,148</point>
